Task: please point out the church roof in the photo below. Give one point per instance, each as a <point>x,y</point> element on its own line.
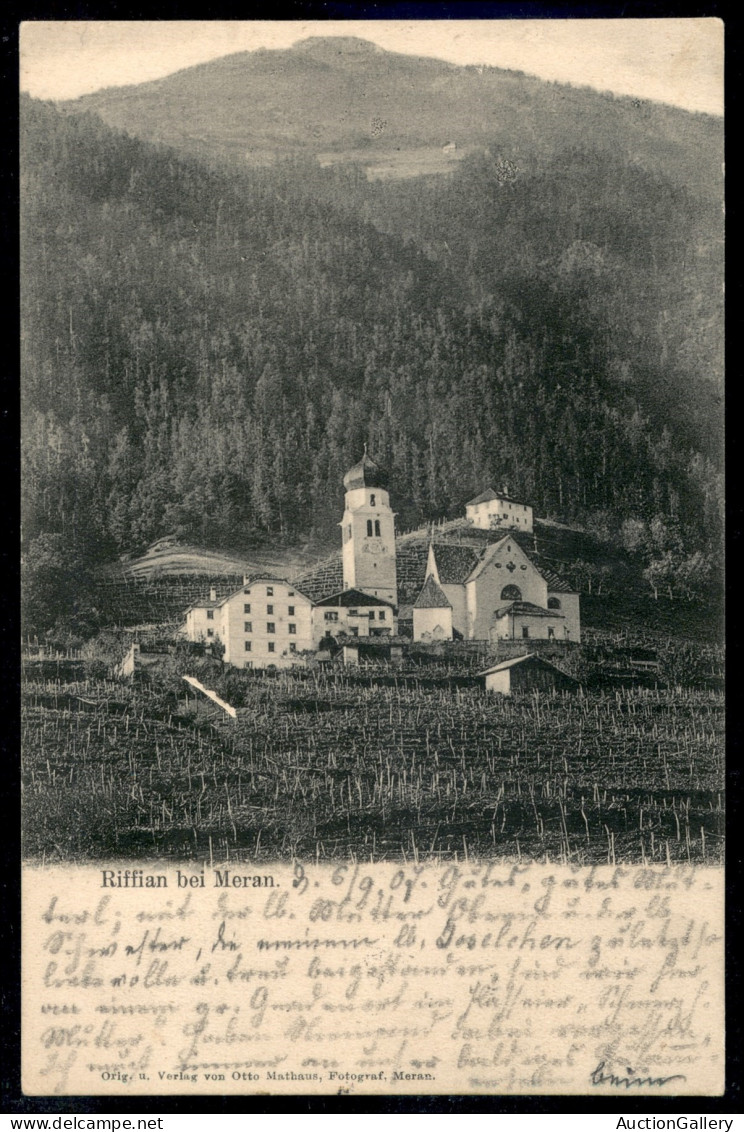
<point>454,563</point>
<point>349,598</point>
<point>432,596</point>
<point>365,474</point>
<point>525,609</point>
<point>556,584</point>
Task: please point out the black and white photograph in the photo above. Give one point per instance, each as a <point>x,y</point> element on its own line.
<point>373,513</point>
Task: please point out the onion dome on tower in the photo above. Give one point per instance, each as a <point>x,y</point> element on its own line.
<point>365,474</point>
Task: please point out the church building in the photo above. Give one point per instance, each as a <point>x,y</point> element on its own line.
<point>499,593</point>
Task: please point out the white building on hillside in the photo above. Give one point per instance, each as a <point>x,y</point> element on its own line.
<point>497,509</point>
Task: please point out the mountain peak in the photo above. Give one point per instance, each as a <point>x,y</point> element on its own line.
<point>335,45</point>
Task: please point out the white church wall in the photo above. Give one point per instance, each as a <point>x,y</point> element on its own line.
<point>432,624</point>
<point>485,590</point>
<point>457,598</point>
<point>569,607</point>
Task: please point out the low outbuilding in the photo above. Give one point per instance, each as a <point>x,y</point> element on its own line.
<point>529,673</point>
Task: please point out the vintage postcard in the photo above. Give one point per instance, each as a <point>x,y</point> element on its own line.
<point>372,557</point>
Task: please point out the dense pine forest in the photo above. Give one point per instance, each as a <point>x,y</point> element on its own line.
<point>206,347</point>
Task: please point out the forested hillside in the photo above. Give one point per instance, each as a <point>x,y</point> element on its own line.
<point>206,349</point>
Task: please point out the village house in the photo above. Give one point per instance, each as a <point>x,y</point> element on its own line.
<point>267,621</point>
<point>354,614</point>
<point>498,509</point>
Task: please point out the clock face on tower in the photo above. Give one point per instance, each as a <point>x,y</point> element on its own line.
<point>374,546</point>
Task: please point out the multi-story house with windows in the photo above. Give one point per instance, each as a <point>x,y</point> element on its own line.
<point>268,621</point>
<point>352,613</point>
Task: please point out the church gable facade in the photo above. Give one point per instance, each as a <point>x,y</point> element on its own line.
<point>504,574</point>
<point>500,593</point>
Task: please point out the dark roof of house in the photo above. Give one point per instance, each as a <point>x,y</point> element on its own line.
<point>365,474</point>
<point>532,660</point>
<point>556,584</point>
<point>525,609</point>
<point>454,563</point>
<point>489,494</point>
<point>348,598</point>
<point>432,596</point>
<point>484,497</point>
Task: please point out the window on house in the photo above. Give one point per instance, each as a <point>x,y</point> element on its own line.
<point>371,614</point>
<point>369,528</point>
<point>331,615</point>
<point>210,632</point>
<point>248,664</point>
<point>269,608</point>
<point>247,591</point>
<point>292,646</point>
<point>371,500</point>
<point>246,608</point>
<point>290,610</point>
<point>271,646</point>
<point>377,528</point>
<point>210,615</point>
<point>247,646</point>
<point>551,633</point>
<point>553,603</point>
<point>290,593</point>
<point>291,628</point>
<point>270,627</point>
<point>248,626</point>
<point>354,631</point>
<point>381,615</point>
<point>525,630</point>
<point>269,591</point>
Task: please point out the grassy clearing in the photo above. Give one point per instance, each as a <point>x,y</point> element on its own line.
<point>321,766</point>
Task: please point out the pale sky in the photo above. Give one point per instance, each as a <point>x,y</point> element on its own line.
<point>679,61</point>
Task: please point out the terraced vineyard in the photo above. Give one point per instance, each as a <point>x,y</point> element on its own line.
<point>324,766</point>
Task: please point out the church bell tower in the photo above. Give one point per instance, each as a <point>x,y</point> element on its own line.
<point>368,532</point>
